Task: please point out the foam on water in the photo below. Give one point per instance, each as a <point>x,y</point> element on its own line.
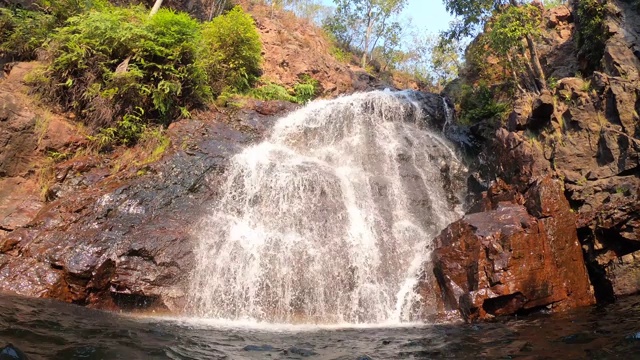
<point>330,219</point>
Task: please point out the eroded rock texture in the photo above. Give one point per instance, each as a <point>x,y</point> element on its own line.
<point>584,133</point>
<point>519,254</point>
<point>107,232</point>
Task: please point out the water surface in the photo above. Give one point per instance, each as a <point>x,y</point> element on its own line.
<point>46,329</point>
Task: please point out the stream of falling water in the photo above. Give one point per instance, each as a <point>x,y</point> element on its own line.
<point>330,219</point>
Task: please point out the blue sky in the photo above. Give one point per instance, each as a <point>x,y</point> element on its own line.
<point>425,14</point>
<point>428,14</point>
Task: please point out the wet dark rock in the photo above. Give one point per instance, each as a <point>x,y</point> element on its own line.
<point>300,351</point>
<point>11,352</point>
<point>258,348</point>
<point>126,242</point>
<point>580,338</point>
<point>271,108</point>
<point>624,274</point>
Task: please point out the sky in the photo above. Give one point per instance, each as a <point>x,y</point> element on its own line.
<point>428,14</point>
<point>425,14</point>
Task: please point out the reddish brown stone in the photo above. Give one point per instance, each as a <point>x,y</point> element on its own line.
<point>503,261</point>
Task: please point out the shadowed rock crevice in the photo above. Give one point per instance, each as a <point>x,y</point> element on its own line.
<point>504,305</point>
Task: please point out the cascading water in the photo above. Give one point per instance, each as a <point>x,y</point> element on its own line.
<point>330,219</point>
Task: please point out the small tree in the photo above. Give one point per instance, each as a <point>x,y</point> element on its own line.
<point>506,32</point>
<point>513,20</point>
<point>445,60</point>
<point>364,23</point>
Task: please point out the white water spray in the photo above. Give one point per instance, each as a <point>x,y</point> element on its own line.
<point>330,219</point>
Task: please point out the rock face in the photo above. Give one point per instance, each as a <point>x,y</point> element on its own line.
<point>512,258</point>
<point>108,238</point>
<point>124,242</point>
<point>114,231</point>
<point>584,132</point>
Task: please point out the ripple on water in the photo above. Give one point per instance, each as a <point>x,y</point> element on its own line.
<point>49,330</point>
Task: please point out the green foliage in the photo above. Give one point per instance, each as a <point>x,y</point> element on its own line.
<point>445,60</point>
<point>61,10</point>
<point>156,142</point>
<point>508,39</point>
<point>306,89</point>
<point>126,131</point>
<point>23,32</point>
<point>303,91</point>
<point>340,54</point>
<point>507,24</point>
<point>550,4</point>
<point>120,69</point>
<point>477,104</point>
<point>552,82</point>
<point>591,33</point>
<point>511,26</point>
<point>272,91</point>
<point>471,15</point>
<point>232,51</point>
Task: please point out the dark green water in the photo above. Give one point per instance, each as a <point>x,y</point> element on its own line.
<point>50,330</point>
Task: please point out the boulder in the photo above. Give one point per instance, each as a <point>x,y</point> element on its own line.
<point>506,260</point>
<point>558,15</point>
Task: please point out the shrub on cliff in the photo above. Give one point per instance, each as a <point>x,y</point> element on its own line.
<point>477,104</point>
<point>119,69</point>
<point>591,34</point>
<point>232,51</point>
<point>23,32</point>
<point>302,92</point>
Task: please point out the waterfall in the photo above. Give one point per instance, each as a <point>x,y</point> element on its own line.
<point>448,114</point>
<point>330,219</point>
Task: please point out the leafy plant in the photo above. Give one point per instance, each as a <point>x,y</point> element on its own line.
<point>272,91</point>
<point>550,4</point>
<point>306,89</point>
<point>23,32</point>
<point>120,69</point>
<point>302,92</point>
<point>477,104</point>
<point>340,54</point>
<point>591,34</point>
<point>232,51</point>
<point>508,31</point>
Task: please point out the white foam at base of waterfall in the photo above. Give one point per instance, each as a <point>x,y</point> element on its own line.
<point>330,219</point>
